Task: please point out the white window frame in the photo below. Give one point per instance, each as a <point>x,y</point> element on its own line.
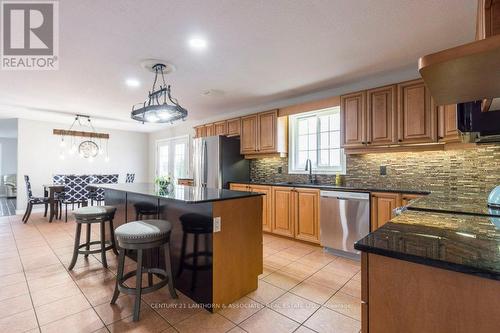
<point>293,130</point>
<point>171,152</point>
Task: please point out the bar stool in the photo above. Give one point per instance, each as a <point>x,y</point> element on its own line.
<point>140,236</point>
<point>197,225</point>
<point>89,216</point>
<point>145,209</point>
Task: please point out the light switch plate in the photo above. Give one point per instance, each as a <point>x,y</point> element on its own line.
<point>217,224</point>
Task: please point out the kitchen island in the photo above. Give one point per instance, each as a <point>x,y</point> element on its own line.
<point>434,268</point>
<point>235,252</point>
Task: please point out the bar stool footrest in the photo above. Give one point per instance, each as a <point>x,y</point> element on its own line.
<point>99,250</point>
<point>133,291</point>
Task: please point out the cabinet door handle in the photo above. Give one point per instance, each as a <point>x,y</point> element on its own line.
<point>400,140</point>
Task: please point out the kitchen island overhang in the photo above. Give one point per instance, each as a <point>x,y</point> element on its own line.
<point>233,265</point>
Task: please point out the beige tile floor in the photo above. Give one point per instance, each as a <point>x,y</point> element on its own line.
<point>302,289</point>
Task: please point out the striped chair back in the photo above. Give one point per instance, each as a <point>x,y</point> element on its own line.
<point>130,178</point>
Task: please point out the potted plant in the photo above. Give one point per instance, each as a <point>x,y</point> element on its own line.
<point>164,183</point>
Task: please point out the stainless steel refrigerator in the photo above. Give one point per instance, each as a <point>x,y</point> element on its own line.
<point>217,161</point>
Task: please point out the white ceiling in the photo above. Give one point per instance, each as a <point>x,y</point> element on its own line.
<point>258,52</point>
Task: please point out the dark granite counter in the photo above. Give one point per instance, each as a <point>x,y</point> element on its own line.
<point>463,243</point>
<point>473,203</point>
<point>332,187</point>
<point>186,194</point>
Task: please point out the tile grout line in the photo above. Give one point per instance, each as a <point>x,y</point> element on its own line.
<point>24,273</point>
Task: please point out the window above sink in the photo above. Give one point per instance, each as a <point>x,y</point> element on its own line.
<point>316,136</point>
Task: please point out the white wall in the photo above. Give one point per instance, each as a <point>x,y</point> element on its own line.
<point>8,156</point>
<point>39,150</point>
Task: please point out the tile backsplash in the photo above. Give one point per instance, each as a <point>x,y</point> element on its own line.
<point>476,169</point>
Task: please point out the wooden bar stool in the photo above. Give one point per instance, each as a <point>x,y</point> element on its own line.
<point>140,236</point>
<point>89,216</point>
<point>195,224</point>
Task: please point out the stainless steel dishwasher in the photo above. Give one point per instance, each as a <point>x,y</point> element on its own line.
<point>345,219</point>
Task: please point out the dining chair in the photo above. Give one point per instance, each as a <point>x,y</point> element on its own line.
<point>32,200</point>
<point>75,192</point>
<point>130,178</point>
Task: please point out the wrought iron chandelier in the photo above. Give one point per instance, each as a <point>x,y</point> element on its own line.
<point>156,109</point>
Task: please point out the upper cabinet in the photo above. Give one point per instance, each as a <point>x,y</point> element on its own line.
<point>248,135</point>
<point>200,131</point>
<point>263,133</point>
<point>220,128</point>
<point>233,127</point>
<point>209,130</point>
<point>267,131</point>
<point>392,116</point>
<point>447,121</point>
<point>416,112</point>
<point>353,119</point>
<point>382,116</point>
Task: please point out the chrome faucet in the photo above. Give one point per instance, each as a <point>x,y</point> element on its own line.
<point>309,168</point>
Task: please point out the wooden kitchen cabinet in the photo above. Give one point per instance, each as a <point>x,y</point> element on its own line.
<point>209,130</point>
<point>381,116</point>
<point>447,123</point>
<point>416,113</point>
<point>406,198</point>
<point>200,131</point>
<point>263,133</point>
<point>267,126</point>
<point>220,128</point>
<point>248,136</point>
<point>306,210</point>
<point>383,204</point>
<point>267,204</point>
<point>239,187</point>
<point>353,119</point>
<point>233,127</point>
<point>283,212</point>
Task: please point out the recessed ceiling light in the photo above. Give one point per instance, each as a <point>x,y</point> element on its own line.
<point>132,83</point>
<point>198,43</point>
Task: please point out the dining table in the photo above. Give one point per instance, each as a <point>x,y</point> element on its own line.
<point>50,191</point>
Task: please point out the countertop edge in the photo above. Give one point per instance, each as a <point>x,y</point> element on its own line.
<point>334,187</point>
<point>429,262</point>
<point>248,195</point>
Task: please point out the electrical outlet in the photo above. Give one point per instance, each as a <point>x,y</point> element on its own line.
<point>383,170</point>
<point>280,170</point>
<point>217,224</point>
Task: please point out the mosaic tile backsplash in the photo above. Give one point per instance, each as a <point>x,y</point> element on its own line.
<point>476,169</point>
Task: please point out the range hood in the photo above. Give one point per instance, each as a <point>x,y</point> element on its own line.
<point>466,73</point>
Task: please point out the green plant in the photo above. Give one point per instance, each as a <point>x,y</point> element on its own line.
<point>163,181</point>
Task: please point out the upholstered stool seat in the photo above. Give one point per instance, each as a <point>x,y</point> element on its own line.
<point>140,236</point>
<point>142,232</point>
<point>89,216</point>
<point>93,213</point>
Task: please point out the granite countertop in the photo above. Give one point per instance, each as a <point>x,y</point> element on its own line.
<point>461,202</point>
<point>333,187</point>
<point>186,194</point>
<point>463,243</point>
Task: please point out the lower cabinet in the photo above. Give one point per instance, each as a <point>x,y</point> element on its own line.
<point>307,214</point>
<point>382,208</point>
<point>296,213</point>
<point>283,214</point>
<point>266,204</point>
<point>383,204</point>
